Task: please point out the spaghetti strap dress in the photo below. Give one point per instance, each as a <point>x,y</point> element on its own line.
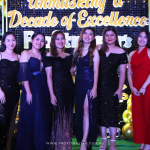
<point>34,119</point>
<point>10,86</point>
<point>84,81</point>
<point>64,91</point>
<point>140,66</point>
<point>107,85</point>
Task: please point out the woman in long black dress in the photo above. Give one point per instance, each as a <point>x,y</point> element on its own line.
<point>110,84</point>
<point>9,88</point>
<point>86,61</point>
<point>34,115</point>
<point>61,87</point>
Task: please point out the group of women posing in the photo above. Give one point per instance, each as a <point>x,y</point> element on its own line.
<point>98,88</point>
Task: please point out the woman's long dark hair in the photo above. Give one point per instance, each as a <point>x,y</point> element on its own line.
<point>43,49</point>
<point>147,35</point>
<point>104,47</point>
<point>3,46</point>
<point>53,48</point>
<point>92,47</point>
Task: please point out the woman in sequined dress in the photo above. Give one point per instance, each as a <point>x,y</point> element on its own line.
<point>9,88</point>
<point>86,65</point>
<point>110,84</point>
<point>34,116</point>
<point>139,80</point>
<point>61,87</point>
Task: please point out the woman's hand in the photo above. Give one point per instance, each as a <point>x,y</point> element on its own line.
<point>93,93</point>
<point>73,71</point>
<point>119,93</point>
<point>29,98</point>
<point>142,90</point>
<point>53,100</point>
<point>135,91</point>
<point>2,97</point>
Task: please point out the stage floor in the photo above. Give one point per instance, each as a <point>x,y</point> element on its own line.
<point>122,144</point>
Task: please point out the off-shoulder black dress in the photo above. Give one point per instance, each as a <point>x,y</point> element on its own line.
<point>107,86</point>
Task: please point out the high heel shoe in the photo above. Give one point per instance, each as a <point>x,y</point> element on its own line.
<point>83,146</point>
<point>110,145</point>
<point>102,146</point>
<point>142,146</point>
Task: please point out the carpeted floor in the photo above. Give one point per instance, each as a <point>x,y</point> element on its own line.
<point>122,144</point>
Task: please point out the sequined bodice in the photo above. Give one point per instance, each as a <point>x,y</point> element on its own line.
<point>84,71</point>
<point>8,75</point>
<point>109,68</point>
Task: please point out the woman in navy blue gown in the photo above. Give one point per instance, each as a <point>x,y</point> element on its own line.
<point>34,115</point>
<point>86,65</point>
<point>9,88</point>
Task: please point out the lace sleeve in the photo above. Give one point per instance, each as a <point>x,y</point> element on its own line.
<point>48,61</point>
<point>24,73</point>
<point>124,59</point>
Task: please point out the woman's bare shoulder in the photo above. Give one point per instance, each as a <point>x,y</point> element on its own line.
<point>48,54</point>
<point>99,46</point>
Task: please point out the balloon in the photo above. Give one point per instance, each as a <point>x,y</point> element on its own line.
<point>127,131</point>
<point>129,107</point>
<point>129,101</point>
<point>126,114</point>
<point>73,77</point>
<point>130,119</point>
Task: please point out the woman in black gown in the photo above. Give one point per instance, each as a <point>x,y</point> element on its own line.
<point>9,88</point>
<point>110,84</point>
<point>86,65</point>
<point>61,87</point>
<point>34,115</point>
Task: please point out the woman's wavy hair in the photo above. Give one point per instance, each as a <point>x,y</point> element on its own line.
<point>104,47</point>
<point>3,46</point>
<point>53,48</point>
<point>147,35</point>
<point>43,49</point>
<point>92,47</point>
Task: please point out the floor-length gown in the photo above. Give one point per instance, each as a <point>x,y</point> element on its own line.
<point>107,86</point>
<point>9,85</point>
<point>140,66</point>
<point>64,91</point>
<point>84,81</point>
<point>34,119</point>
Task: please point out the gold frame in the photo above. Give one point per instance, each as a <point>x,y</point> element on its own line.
<point>3,18</point>
<point>149,14</point>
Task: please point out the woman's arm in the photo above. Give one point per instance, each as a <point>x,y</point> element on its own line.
<point>48,71</point>
<point>73,69</point>
<point>146,83</point>
<point>96,60</point>
<point>24,58</point>
<point>130,76</point>
<point>122,75</point>
<point>2,96</point>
